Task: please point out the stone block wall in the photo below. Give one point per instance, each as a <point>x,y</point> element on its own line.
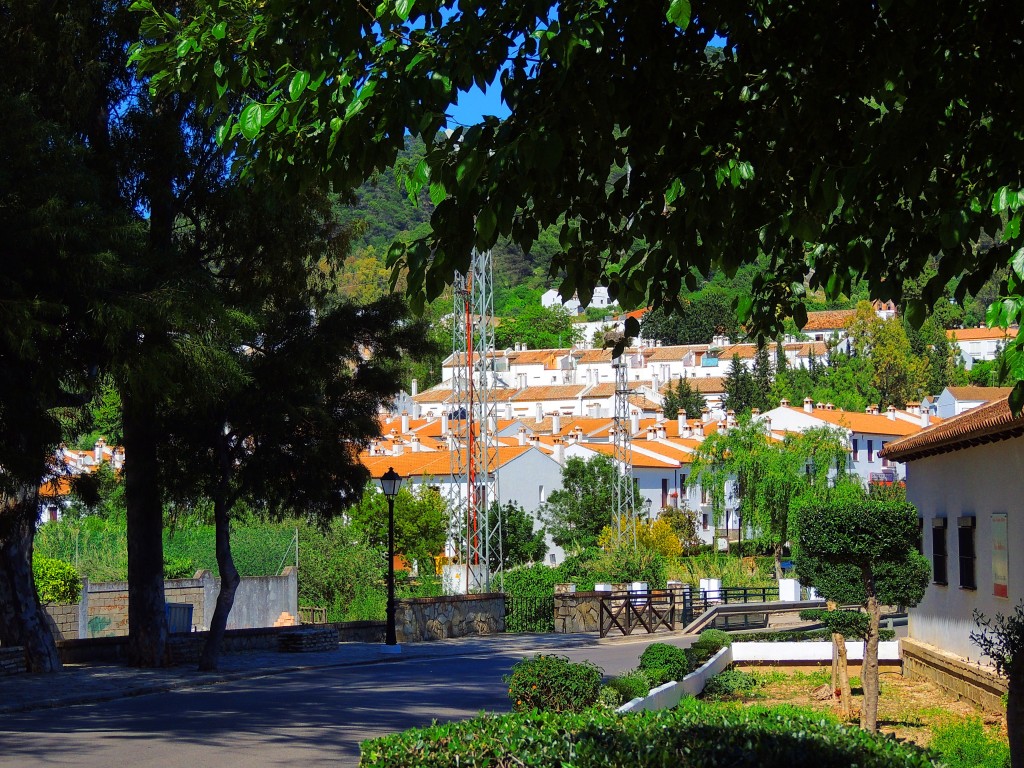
<point>578,612</point>
<point>63,620</point>
<point>12,661</point>
<point>435,618</point>
<point>976,683</point>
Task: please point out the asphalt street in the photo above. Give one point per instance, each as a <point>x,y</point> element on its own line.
<point>310,717</point>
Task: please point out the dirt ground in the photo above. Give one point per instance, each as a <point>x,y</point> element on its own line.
<point>908,709</point>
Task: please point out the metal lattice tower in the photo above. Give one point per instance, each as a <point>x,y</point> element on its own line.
<point>623,511</point>
<point>475,531</point>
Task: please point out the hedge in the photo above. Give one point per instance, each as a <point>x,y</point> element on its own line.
<point>694,735</point>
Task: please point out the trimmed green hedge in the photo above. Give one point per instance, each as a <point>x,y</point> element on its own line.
<point>695,735</point>
<point>553,683</point>
<point>805,636</point>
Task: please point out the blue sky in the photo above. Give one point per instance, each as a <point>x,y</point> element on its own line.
<point>473,105</point>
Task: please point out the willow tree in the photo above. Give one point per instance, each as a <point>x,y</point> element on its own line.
<point>772,476</point>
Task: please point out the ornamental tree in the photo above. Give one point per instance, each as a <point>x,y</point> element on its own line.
<point>1002,640</point>
<point>863,551</point>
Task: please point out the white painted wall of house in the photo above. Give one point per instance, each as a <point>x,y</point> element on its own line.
<point>976,481</point>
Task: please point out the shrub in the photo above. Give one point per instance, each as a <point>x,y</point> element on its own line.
<point>967,745</point>
<point>56,581</point>
<point>801,636</point>
<point>177,567</point>
<point>696,734</point>
<point>630,686</point>
<point>553,683</point>
<point>661,662</point>
<point>730,683</point>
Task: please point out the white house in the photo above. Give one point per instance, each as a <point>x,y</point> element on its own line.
<point>966,478</point>
<point>980,344</point>
<point>955,400</point>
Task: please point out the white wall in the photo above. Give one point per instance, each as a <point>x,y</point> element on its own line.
<point>979,481</point>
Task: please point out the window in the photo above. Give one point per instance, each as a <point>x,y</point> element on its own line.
<point>540,494</point>
<point>939,550</point>
<point>856,448</point>
<point>885,462</point>
<point>704,521</point>
<point>871,450</point>
<point>965,549</point>
<point>552,558</point>
<point>664,492</point>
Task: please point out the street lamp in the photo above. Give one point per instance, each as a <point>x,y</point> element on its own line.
<point>390,482</point>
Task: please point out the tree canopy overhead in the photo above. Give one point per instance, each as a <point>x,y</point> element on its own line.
<point>840,140</point>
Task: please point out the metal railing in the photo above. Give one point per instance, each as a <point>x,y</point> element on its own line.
<point>529,614</point>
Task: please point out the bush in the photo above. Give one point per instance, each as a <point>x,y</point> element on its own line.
<point>730,683</point>
<point>696,734</point>
<point>553,683</point>
<point>801,636</point>
<point>967,745</point>
<point>177,567</point>
<point>57,582</point>
<point>630,686</point>
<point>661,662</point>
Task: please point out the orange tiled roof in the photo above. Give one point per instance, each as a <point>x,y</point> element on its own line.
<point>639,459</point>
<point>552,392</point>
<point>607,389</point>
<point>987,423</point>
<point>55,488</point>
<point>868,423</point>
<point>435,464</point>
<point>986,394</point>
<point>545,357</point>
<point>980,334</point>
<point>829,320</point>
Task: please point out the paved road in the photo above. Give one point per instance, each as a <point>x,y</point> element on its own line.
<point>311,717</point>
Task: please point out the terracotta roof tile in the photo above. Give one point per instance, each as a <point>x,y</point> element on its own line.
<point>828,320</point>
<point>553,392</point>
<point>980,334</point>
<point>985,424</point>
<point>986,394</point>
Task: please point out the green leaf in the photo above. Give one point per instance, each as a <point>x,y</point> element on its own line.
<point>298,84</point>
<point>437,193</point>
<point>403,8</point>
<point>995,315</point>
<point>1017,398</point>
<point>1001,200</point>
<point>184,47</point>
<point>268,114</point>
<point>916,313</point>
<point>1012,229</point>
<point>800,315</point>
<point>486,222</point>
<point>251,120</point>
<point>219,31</point>
<point>219,68</point>
<point>632,327</point>
<point>1017,263</point>
<point>679,13</point>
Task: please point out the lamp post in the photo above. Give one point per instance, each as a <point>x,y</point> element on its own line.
<point>390,482</point>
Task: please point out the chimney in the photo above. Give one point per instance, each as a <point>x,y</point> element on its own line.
<point>414,444</point>
<point>755,411</point>
<point>444,423</point>
<point>914,407</point>
<point>768,422</point>
<point>416,412</point>
<point>634,422</point>
<point>556,423</point>
<point>652,433</point>
<point>730,418</point>
<point>681,422</point>
<point>891,412</point>
<point>508,410</point>
<point>808,405</point>
<point>492,424</point>
<point>784,403</point>
<point>534,440</point>
<point>655,383</point>
<point>453,444</point>
<point>415,387</point>
<point>820,406</point>
<point>117,460</point>
<point>398,449</point>
<point>698,428</point>
<point>539,415</point>
<point>97,450</point>
<point>926,417</point>
<point>405,422</point>
<point>559,450</point>
<point>684,429</point>
<point>522,435</point>
<point>662,435</point>
<point>829,407</point>
<point>705,414</point>
<point>872,409</point>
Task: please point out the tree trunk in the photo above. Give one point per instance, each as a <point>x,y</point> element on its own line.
<point>778,560</point>
<point>229,578</point>
<point>842,683</point>
<point>869,667</point>
<point>22,620</point>
<point>1015,713</point>
<point>147,619</point>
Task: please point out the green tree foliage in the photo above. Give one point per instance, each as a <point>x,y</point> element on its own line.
<point>1002,640</point>
<point>863,551</point>
<point>521,543</point>
<point>57,582</point>
<point>701,317</point>
<point>845,200</point>
<point>773,478</point>
<point>577,512</point>
<point>896,374</point>
<point>538,327</point>
<point>421,516</point>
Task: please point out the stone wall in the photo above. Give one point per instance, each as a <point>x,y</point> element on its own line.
<point>578,612</point>
<point>63,620</point>
<point>12,661</point>
<point>435,618</point>
<point>976,683</point>
<point>264,601</point>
